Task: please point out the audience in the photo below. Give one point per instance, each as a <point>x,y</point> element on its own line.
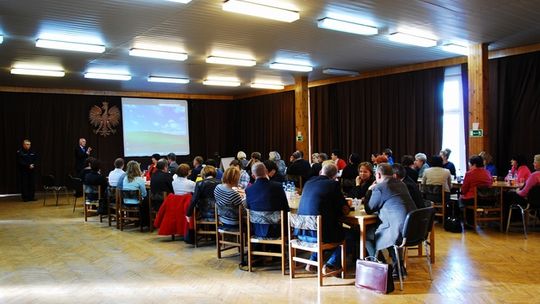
<point>228,198</point>
<point>273,172</point>
<point>161,182</point>
<point>519,171</point>
<point>391,199</point>
<point>197,167</point>
<point>314,158</point>
<point>437,175</point>
<point>408,162</point>
<point>488,163</point>
<point>445,154</point>
<point>388,153</point>
<point>241,157</point>
<point>351,170</point>
<point>299,167</point>
<point>134,181</point>
<point>212,162</point>
<point>275,157</point>
<point>476,176</point>
<point>322,196</point>
<point>152,167</point>
<point>255,158</point>
<point>118,172</point>
<point>317,166</point>
<point>532,181</point>
<point>401,174</point>
<point>363,181</point>
<point>171,159</point>
<point>244,176</point>
<point>265,195</point>
<point>94,178</point>
<point>181,184</point>
<point>336,157</point>
<point>420,163</point>
<point>203,196</point>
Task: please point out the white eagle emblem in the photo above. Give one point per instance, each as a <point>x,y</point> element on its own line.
<point>104,119</point>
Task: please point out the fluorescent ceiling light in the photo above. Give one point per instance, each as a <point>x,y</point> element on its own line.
<point>257,9</point>
<point>158,54</point>
<point>180,1</point>
<point>347,26</point>
<point>456,48</point>
<point>340,72</point>
<point>70,46</point>
<point>412,39</point>
<point>1,38</point>
<point>272,86</point>
<point>226,82</point>
<point>231,61</point>
<point>291,67</point>
<point>93,75</point>
<point>168,79</point>
<point>38,72</point>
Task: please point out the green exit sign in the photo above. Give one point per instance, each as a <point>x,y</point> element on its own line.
<point>477,133</point>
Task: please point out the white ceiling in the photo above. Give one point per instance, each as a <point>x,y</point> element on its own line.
<point>202,28</point>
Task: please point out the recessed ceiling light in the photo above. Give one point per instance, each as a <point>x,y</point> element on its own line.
<point>347,26</point>
<point>158,54</point>
<point>222,81</point>
<point>412,39</point>
<point>231,61</point>
<point>291,67</point>
<point>271,86</point>
<point>168,79</point>
<point>70,46</point>
<point>456,48</point>
<point>261,9</point>
<point>107,76</point>
<point>38,71</point>
<point>340,72</point>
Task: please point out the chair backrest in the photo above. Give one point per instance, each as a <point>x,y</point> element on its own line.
<point>91,189</point>
<point>417,226</point>
<point>74,182</point>
<point>47,180</point>
<point>487,192</point>
<point>433,193</point>
<point>111,192</point>
<point>158,196</point>
<point>533,197</point>
<point>305,222</point>
<point>131,194</point>
<point>264,217</point>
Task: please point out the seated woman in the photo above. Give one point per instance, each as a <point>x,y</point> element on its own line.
<point>181,184</point>
<point>276,158</point>
<point>152,168</point>
<point>350,172</point>
<point>519,171</point>
<point>203,196</point>
<point>445,154</point>
<point>476,176</point>
<point>228,198</point>
<point>134,181</point>
<point>533,181</point>
<point>93,177</point>
<point>244,176</point>
<point>364,179</point>
<point>488,163</point>
<point>273,172</point>
<point>437,175</point>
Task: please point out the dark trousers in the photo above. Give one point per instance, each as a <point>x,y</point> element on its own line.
<point>372,249</point>
<point>27,182</point>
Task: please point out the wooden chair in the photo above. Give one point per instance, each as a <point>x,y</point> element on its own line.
<point>311,222</point>
<point>416,229</point>
<point>113,201</point>
<point>152,212</point>
<point>436,194</point>
<point>49,184</point>
<point>73,184</point>
<point>130,213</point>
<point>530,210</point>
<point>298,181</point>
<point>92,197</point>
<point>224,236</point>
<point>202,227</point>
<point>269,218</point>
<point>486,207</point>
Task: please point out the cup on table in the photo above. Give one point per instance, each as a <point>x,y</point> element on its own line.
<point>349,201</point>
<point>494,179</point>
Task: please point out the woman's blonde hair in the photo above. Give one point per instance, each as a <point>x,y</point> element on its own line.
<point>208,171</point>
<point>133,169</point>
<point>231,176</point>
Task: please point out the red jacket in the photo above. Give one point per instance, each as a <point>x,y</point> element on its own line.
<point>474,178</point>
<point>171,218</point>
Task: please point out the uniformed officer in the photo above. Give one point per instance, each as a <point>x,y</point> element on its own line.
<point>26,163</point>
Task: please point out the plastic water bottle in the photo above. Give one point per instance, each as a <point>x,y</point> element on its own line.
<point>459,176</point>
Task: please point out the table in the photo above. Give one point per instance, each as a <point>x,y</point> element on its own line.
<point>363,220</point>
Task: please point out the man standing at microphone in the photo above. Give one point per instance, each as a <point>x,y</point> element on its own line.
<point>82,152</point>
<point>26,163</point>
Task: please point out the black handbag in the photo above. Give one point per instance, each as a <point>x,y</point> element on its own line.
<point>452,223</point>
<point>374,275</point>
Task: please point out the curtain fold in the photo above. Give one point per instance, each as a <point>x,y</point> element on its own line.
<point>403,112</point>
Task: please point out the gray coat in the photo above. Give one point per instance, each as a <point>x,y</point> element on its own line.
<point>392,201</point>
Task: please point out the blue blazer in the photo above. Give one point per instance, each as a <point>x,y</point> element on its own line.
<point>266,195</point>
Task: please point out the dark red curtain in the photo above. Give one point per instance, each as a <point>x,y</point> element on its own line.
<point>514,108</point>
<point>402,112</point>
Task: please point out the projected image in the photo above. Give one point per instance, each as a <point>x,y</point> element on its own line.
<point>155,126</point>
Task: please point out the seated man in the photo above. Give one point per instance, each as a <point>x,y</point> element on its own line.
<point>94,178</point>
<point>273,171</point>
<point>171,159</point>
<point>161,182</point>
<point>117,174</point>
<point>197,167</point>
<point>401,174</point>
<point>299,167</point>
<point>322,196</point>
<point>390,198</point>
<point>265,195</point>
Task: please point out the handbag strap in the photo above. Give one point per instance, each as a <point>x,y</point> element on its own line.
<point>372,259</point>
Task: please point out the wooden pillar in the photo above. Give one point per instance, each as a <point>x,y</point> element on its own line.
<point>478,97</point>
<point>301,105</point>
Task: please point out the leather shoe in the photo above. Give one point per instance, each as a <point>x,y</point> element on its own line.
<point>310,268</point>
<point>327,268</point>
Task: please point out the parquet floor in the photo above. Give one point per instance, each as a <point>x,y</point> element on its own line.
<point>49,255</point>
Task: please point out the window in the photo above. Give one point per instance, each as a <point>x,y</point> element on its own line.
<point>453,128</point>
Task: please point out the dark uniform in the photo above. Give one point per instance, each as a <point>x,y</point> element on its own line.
<point>25,158</point>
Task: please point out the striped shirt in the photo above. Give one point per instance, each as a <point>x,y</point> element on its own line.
<point>227,202</point>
